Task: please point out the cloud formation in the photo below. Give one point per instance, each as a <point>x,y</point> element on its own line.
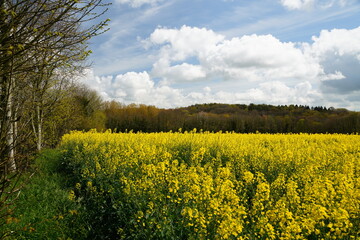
<point>259,58</point>
<point>197,65</point>
<point>140,88</point>
<point>133,87</point>
<point>253,58</point>
<point>338,52</point>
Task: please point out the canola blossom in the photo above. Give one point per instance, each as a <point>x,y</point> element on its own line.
<point>218,185</point>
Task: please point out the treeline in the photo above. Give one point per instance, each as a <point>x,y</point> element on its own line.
<point>239,118</point>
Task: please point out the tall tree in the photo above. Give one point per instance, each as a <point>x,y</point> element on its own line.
<point>40,41</point>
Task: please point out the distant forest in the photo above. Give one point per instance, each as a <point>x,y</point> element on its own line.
<point>238,118</point>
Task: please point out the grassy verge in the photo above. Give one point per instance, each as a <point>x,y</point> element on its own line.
<point>44,209</point>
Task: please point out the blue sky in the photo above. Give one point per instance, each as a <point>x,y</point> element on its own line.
<point>173,53</point>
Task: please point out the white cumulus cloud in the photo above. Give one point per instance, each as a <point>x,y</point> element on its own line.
<point>249,58</point>
<point>260,58</point>
<point>180,44</point>
<point>298,4</point>
<point>182,72</point>
<point>134,87</point>
<point>338,52</point>
<point>279,93</point>
<point>310,4</point>
<point>338,41</point>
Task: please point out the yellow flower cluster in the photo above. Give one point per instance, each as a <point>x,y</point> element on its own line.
<point>222,185</point>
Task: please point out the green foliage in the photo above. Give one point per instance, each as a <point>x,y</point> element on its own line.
<point>78,108</point>
<point>43,209</point>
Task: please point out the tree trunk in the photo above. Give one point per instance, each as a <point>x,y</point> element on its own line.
<point>11,123</point>
<point>39,128</point>
<point>7,86</point>
<point>11,139</point>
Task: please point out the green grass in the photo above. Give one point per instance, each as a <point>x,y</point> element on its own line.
<point>43,209</point>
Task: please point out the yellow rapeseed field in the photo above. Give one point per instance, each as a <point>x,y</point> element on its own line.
<point>219,185</point>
